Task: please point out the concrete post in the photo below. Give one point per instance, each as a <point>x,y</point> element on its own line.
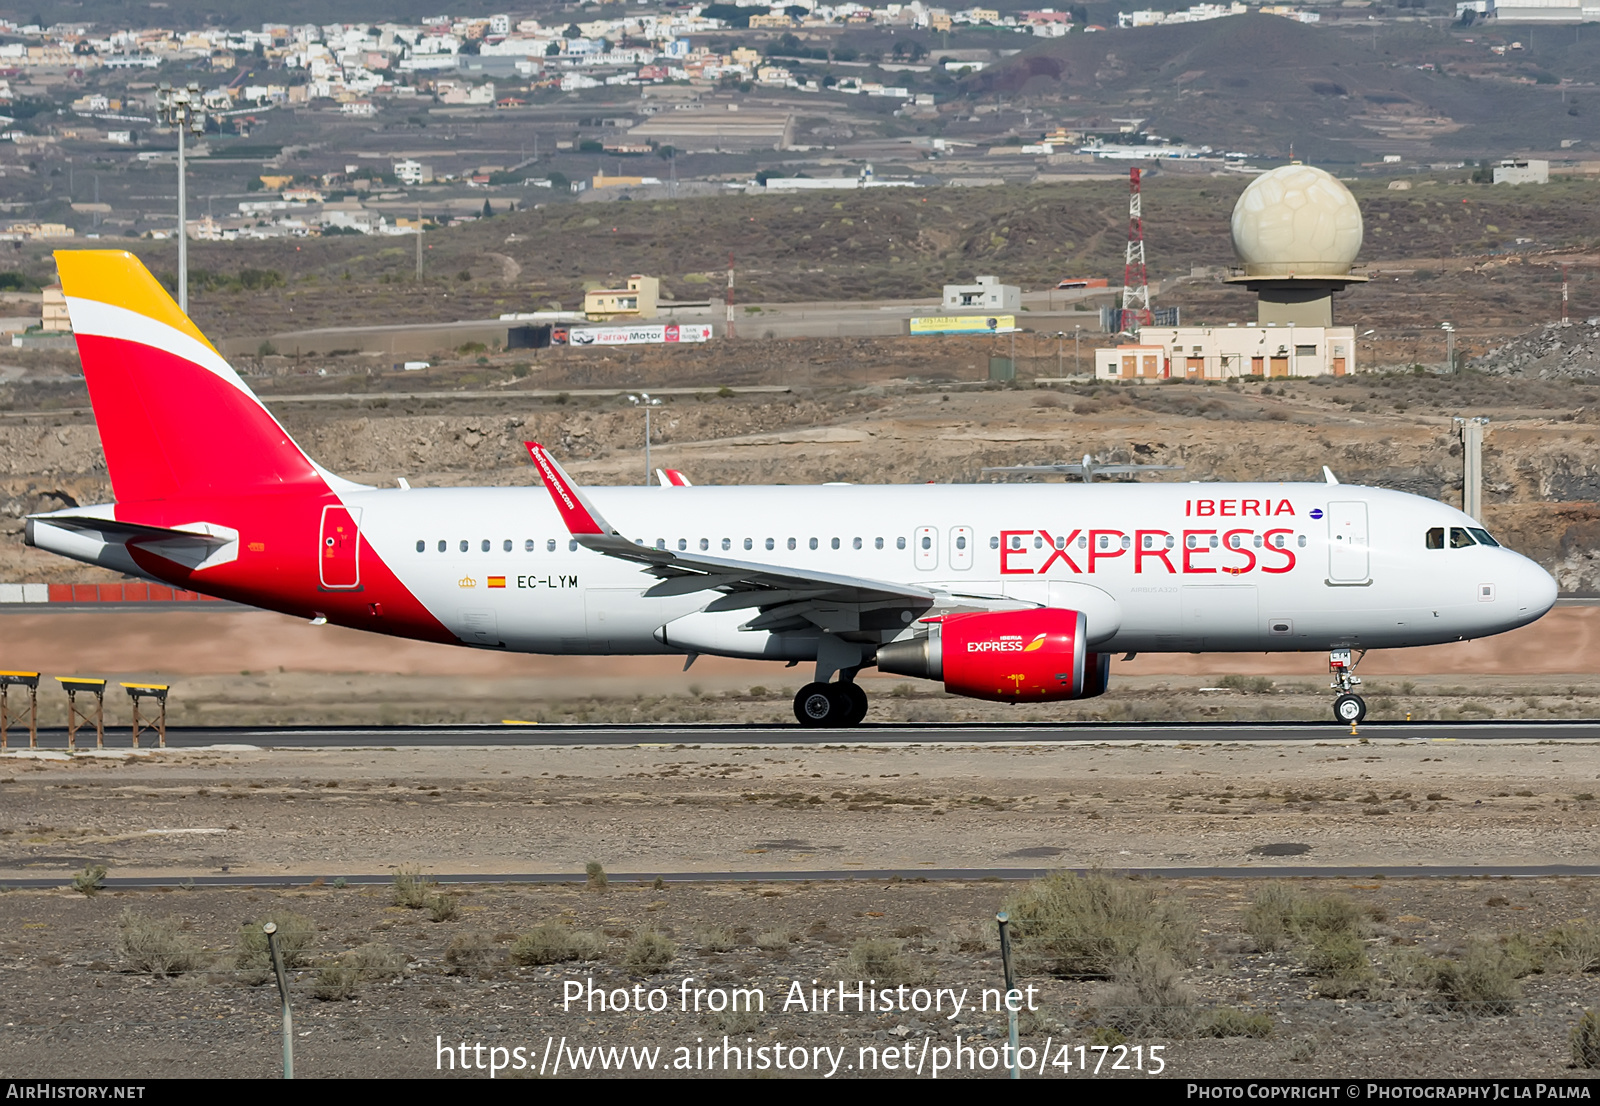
<point>1470,431</point>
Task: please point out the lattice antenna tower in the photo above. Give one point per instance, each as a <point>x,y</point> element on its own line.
<point>729,325</point>
<point>1135,281</point>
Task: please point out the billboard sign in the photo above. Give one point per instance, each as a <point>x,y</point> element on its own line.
<point>658,334</point>
<point>965,324</point>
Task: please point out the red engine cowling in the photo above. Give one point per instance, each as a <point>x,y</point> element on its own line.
<point>1029,656</point>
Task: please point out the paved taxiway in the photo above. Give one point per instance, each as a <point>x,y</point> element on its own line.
<point>788,875</point>
<point>346,737</point>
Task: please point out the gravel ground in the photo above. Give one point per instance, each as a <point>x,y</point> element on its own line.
<point>74,1006</point>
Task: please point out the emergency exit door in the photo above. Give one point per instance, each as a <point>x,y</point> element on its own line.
<point>1349,554</point>
<point>339,563</point>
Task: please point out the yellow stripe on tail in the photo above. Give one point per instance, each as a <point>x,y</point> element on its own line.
<point>118,278</point>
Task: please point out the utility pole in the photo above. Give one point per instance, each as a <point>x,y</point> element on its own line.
<point>728,326</point>
<point>184,109</point>
<point>1077,356</point>
<point>1470,430</point>
<point>419,243</point>
<point>1449,346</point>
<point>1564,320</point>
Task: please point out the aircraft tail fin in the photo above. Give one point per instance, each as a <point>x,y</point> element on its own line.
<point>175,420</point>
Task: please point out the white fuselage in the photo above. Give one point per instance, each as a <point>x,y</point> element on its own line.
<point>1160,567</point>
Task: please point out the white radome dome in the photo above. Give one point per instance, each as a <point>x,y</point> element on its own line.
<point>1297,221</point>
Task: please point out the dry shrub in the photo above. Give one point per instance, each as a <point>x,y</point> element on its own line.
<point>733,1022</point>
<point>596,874</point>
<point>341,979</point>
<point>411,890</point>
<point>1484,980</point>
<point>714,939</point>
<point>883,961</point>
<point>442,908</point>
<point>1230,1021</point>
<point>88,881</point>
<point>1573,948</point>
<point>1586,1041</point>
<point>469,952</point>
<point>552,943</point>
<point>775,940</point>
<point>1092,926</point>
<point>648,953</point>
<point>296,932</point>
<point>156,946</point>
<point>1339,960</point>
<point>1147,995</point>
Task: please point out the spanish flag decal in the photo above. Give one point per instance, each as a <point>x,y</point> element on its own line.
<point>497,581</point>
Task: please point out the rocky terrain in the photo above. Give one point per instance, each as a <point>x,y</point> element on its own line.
<point>1553,350</point>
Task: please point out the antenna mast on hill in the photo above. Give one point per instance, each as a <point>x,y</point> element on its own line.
<point>1135,282</point>
<point>729,326</point>
<point>1563,294</point>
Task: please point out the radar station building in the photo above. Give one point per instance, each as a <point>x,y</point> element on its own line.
<point>1297,231</point>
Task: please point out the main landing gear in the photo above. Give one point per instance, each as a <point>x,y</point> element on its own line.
<point>1349,708</point>
<point>833,705</point>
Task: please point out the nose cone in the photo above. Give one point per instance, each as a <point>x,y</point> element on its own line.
<point>1536,591</point>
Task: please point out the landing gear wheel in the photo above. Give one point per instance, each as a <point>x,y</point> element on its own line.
<point>857,700</point>
<point>819,705</point>
<point>1349,709</point>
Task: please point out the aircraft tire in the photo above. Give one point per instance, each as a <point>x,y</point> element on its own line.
<point>1349,709</point>
<point>817,705</point>
<point>857,701</point>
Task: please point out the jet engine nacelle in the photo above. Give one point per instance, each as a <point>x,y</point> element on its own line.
<point>1028,656</point>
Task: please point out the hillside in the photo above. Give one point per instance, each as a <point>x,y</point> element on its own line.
<point>1338,93</point>
<point>887,243</point>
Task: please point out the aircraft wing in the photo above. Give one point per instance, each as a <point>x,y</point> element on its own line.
<point>745,584</point>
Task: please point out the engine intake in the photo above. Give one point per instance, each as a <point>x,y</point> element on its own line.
<point>1029,656</point>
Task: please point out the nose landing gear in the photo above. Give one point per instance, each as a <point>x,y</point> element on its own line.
<point>1349,708</point>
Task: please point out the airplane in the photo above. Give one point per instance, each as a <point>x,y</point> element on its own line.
<point>1011,593</point>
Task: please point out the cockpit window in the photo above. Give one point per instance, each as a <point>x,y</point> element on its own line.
<point>1482,536</point>
<point>1459,538</point>
<point>1436,538</point>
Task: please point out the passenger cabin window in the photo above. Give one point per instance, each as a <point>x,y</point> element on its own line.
<point>836,543</point>
<point>528,545</point>
<point>900,543</point>
<point>877,543</point>
<point>994,542</point>
<point>550,545</point>
<point>485,545</point>
<point>727,544</point>
<point>813,543</point>
<point>421,545</point>
<point>927,542</point>
<point>791,543</point>
<point>572,545</point>
<point>465,545</point>
<point>442,546</point>
<point>855,543</point>
<point>506,545</point>
<point>705,544</point>
<point>1459,538</point>
<point>771,543</point>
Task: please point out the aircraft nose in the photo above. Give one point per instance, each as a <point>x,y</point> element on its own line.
<point>1536,590</point>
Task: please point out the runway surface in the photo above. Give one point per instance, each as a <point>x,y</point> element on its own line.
<point>890,875</point>
<point>345,737</point>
